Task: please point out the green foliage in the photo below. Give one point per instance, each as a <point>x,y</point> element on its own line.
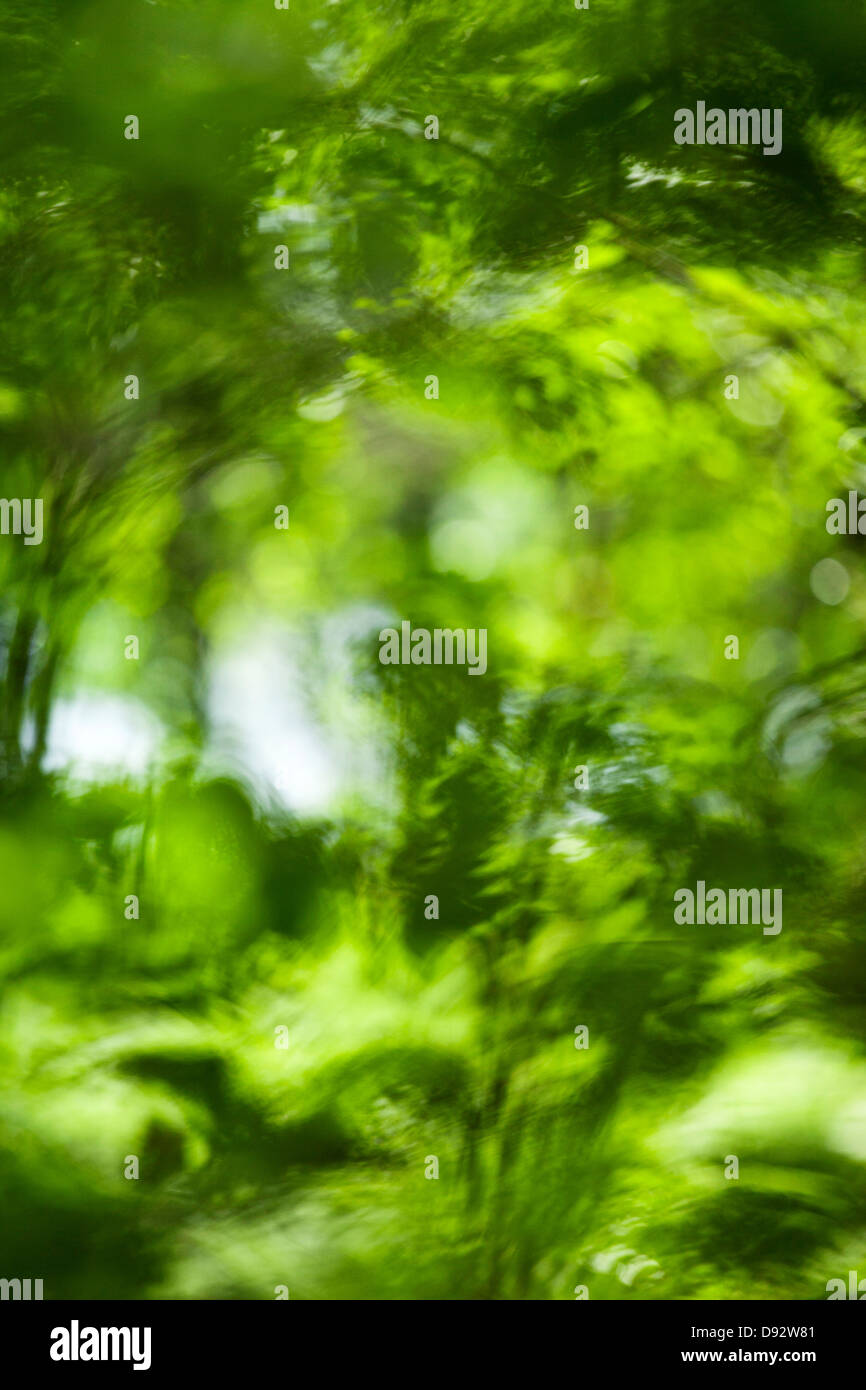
<point>411,1036</point>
